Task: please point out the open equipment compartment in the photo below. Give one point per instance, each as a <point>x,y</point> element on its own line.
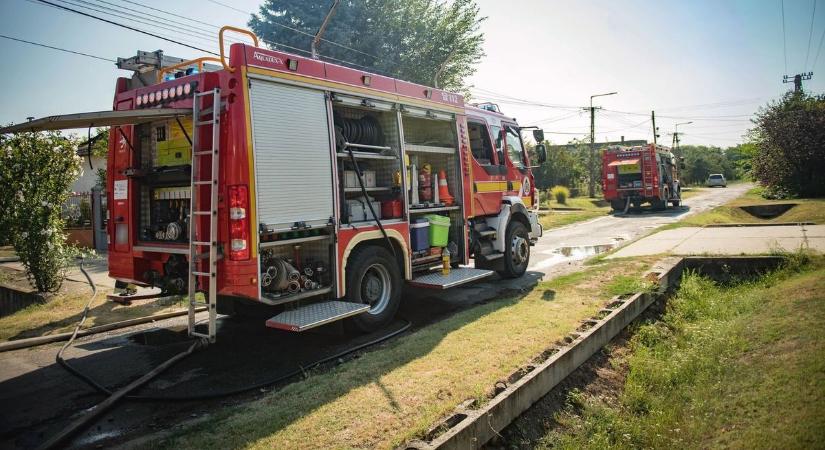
<point>431,156</point>
<point>163,176</point>
<point>369,130</point>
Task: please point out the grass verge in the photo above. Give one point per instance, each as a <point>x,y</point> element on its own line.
<point>390,395</point>
<point>806,210</point>
<point>63,309</point>
<point>740,366</point>
<point>586,209</point>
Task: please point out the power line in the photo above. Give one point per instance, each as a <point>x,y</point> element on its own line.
<point>201,37</point>
<point>57,48</point>
<point>784,44</point>
<point>810,36</point>
<point>174,41</point>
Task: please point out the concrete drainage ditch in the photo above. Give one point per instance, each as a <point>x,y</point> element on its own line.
<point>473,425</point>
<point>770,211</point>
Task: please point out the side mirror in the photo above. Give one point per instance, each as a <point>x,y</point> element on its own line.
<point>541,151</point>
<point>538,135</point>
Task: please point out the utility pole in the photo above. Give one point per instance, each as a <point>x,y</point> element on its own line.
<point>655,130</point>
<point>797,80</point>
<point>317,39</point>
<point>591,182</point>
<point>676,134</point>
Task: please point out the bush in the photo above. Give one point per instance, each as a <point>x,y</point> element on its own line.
<point>560,194</point>
<point>790,146</point>
<point>36,170</point>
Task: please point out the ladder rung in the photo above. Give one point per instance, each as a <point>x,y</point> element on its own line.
<point>202,274</point>
<point>204,122</point>
<point>201,213</point>
<point>205,152</point>
<point>203,182</point>
<point>201,243</point>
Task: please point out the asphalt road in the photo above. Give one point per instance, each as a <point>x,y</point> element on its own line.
<point>40,398</point>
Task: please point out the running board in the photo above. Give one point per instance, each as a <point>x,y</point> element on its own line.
<point>457,277</point>
<point>315,315</point>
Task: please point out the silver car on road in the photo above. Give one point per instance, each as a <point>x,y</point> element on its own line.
<point>717,179</point>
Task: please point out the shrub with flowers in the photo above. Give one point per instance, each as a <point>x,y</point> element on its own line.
<point>36,170</point>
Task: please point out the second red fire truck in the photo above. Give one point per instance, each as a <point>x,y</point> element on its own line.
<point>632,176</point>
<point>316,189</point>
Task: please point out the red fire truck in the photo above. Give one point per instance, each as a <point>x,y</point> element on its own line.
<point>641,174</point>
<point>313,188</point>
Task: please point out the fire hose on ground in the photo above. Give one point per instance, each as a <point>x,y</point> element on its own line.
<point>124,393</point>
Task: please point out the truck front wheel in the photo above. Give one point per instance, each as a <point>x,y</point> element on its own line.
<point>373,277</point>
<point>516,251</point>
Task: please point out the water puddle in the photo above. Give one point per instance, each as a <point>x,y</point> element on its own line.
<point>567,254</point>
<point>583,251</point>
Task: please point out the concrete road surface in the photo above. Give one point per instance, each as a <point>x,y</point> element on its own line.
<point>568,245</point>
<point>728,241</point>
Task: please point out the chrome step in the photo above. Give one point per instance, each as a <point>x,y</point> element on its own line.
<point>457,277</point>
<point>315,315</point>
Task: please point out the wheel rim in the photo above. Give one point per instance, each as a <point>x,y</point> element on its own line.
<point>376,288</point>
<point>520,250</point>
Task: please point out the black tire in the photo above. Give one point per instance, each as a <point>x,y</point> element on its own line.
<point>617,205</point>
<point>676,203</point>
<point>516,250</point>
<point>373,277</point>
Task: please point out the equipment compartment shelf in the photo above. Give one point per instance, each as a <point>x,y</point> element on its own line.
<point>414,148</point>
<point>294,240</point>
<point>430,210</point>
<point>371,223</point>
<point>367,155</point>
<point>275,299</point>
<point>369,189</point>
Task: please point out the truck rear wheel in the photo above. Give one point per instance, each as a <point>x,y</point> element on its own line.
<point>373,277</point>
<point>516,250</point>
<point>617,205</point>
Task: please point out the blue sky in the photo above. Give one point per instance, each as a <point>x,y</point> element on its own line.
<point>712,62</point>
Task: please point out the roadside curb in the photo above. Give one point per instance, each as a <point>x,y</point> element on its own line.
<point>471,427</point>
<point>776,224</point>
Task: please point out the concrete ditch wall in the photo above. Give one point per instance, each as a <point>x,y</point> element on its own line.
<point>472,427</point>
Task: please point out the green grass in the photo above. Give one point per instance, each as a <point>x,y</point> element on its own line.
<point>587,208</point>
<point>62,310</point>
<point>395,393</point>
<point>806,210</point>
<point>739,366</point>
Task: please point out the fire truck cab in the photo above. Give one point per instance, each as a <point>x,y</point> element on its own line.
<point>313,188</point>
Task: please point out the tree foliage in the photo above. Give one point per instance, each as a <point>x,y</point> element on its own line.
<point>566,165</point>
<point>36,170</point>
<point>408,39</point>
<point>701,161</point>
<point>790,145</point>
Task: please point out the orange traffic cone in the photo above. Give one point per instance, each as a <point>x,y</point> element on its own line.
<point>443,189</point>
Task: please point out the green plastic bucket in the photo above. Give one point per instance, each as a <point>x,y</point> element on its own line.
<point>439,230</point>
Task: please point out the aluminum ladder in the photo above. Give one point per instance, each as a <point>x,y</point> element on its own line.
<point>203,249</point>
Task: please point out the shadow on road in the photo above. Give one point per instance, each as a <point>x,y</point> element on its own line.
<point>246,353</point>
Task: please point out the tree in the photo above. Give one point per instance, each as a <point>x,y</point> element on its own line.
<point>790,145</point>
<point>409,39</point>
<point>36,170</point>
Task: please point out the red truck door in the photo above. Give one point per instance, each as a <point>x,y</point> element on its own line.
<point>488,170</point>
<point>519,178</point>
